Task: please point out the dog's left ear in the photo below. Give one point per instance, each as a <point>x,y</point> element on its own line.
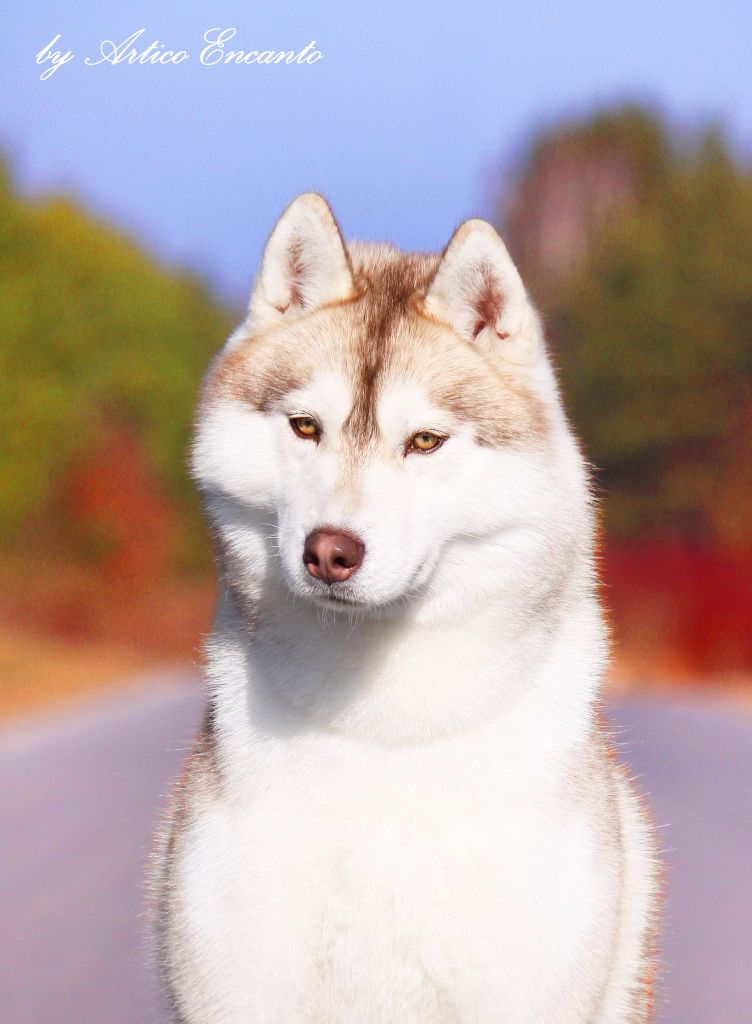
<point>305,263</point>
<point>478,291</point>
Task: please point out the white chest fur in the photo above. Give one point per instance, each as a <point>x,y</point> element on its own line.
<point>438,882</point>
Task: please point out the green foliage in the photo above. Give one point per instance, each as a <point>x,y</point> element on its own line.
<point>653,333</point>
<point>93,333</point>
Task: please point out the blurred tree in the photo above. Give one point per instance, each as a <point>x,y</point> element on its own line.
<point>97,341</point>
<point>572,181</point>
<point>649,305</point>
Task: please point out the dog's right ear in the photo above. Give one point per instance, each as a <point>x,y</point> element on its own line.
<point>305,264</point>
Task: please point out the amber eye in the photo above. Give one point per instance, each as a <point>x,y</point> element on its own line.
<point>425,441</point>
<point>305,426</point>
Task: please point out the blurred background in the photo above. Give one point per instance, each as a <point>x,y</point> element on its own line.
<point>612,146</point>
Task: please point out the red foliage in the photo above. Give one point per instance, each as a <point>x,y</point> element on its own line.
<point>105,567</point>
<point>117,508</point>
<point>685,605</point>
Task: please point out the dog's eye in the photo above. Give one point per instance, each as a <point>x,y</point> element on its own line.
<point>305,426</point>
<point>424,441</point>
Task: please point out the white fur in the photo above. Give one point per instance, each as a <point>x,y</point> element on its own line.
<point>415,822</point>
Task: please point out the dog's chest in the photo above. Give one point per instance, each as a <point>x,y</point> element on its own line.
<point>422,889</point>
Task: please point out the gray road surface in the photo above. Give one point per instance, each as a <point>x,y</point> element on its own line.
<point>79,793</point>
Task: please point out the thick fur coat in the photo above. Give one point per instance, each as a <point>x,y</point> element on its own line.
<point>401,807</point>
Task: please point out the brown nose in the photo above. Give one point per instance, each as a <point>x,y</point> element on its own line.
<point>332,555</point>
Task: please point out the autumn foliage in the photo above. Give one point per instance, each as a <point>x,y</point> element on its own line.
<point>102,352</point>
<point>637,242</point>
<point>679,608</point>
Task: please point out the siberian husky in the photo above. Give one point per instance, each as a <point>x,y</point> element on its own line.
<point>401,807</point>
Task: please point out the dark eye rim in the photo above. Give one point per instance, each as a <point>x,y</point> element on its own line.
<point>294,420</point>
<point>412,449</point>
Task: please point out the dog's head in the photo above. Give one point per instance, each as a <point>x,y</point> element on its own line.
<point>384,426</point>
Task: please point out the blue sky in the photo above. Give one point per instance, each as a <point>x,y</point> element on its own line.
<point>408,123</point>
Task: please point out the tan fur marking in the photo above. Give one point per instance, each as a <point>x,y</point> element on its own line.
<point>387,287</point>
<point>502,412</point>
<point>249,375</point>
<point>380,335</point>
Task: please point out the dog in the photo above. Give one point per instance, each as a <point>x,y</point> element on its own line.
<point>401,807</point>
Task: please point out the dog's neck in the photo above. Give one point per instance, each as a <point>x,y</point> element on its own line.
<point>405,677</point>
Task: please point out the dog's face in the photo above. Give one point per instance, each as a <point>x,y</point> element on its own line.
<point>383,425</point>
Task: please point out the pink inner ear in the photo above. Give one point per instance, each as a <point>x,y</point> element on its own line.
<point>489,301</point>
<point>296,270</point>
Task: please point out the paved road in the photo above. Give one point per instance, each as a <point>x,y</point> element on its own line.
<point>79,795</point>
